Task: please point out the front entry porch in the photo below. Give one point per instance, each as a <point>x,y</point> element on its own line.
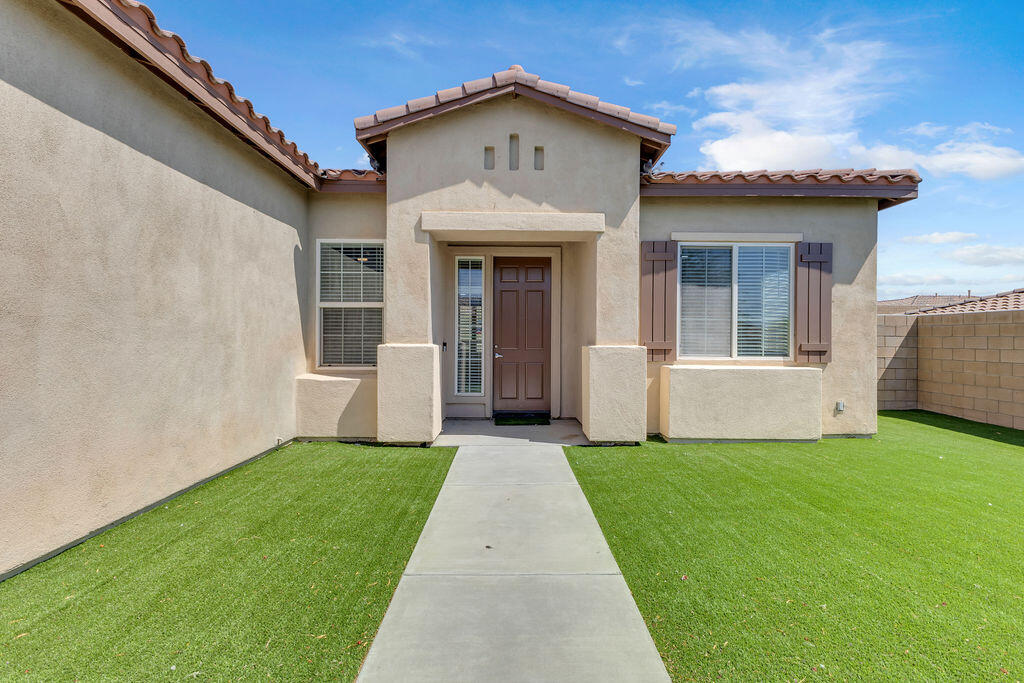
<point>479,432</point>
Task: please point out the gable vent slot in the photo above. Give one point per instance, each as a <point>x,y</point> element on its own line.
<point>513,152</point>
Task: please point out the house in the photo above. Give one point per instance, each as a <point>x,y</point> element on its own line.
<point>182,288</point>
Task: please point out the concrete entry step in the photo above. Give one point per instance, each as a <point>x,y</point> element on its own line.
<point>512,580</point>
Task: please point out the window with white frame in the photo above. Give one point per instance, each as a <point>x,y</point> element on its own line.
<point>469,325</point>
<point>350,302</point>
<point>735,300</point>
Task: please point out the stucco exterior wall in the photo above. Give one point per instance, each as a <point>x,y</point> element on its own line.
<point>337,402</point>
<point>851,225</point>
<point>437,165</point>
<point>712,402</point>
<point>153,280</point>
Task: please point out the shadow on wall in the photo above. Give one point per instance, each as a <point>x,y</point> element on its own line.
<point>54,57</point>
<point>1007,435</point>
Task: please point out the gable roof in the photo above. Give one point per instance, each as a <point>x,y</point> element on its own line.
<point>1004,301</point>
<point>890,187</point>
<point>372,130</point>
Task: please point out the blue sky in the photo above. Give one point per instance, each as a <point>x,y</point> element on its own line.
<point>936,86</point>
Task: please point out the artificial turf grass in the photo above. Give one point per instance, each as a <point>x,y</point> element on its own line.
<point>282,568</point>
<point>890,558</point>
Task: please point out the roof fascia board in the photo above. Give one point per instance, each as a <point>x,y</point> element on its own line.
<point>137,41</point>
<point>353,186</point>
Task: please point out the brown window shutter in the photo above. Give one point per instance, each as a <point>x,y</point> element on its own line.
<point>813,303</point>
<point>659,276</point>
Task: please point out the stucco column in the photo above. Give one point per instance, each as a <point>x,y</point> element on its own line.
<point>613,368</point>
<point>614,401</point>
<point>408,362</point>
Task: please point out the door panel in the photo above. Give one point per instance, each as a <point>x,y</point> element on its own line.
<point>522,334</point>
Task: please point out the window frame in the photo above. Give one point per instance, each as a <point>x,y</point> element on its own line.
<point>483,330</point>
<point>321,305</point>
<point>734,327</point>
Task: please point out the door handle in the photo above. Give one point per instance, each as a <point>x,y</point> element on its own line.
<point>498,355</point>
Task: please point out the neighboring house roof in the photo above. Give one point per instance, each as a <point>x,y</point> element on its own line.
<point>1004,301</point>
<point>912,304</point>
<point>131,26</point>
<point>372,130</point>
<point>890,187</point>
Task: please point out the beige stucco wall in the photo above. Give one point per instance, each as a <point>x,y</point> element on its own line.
<point>345,408</point>
<point>851,225</point>
<point>437,165</point>
<point>153,277</point>
<point>714,402</point>
<point>336,406</point>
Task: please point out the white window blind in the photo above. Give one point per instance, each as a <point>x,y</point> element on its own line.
<point>351,302</point>
<point>735,301</point>
<point>469,323</point>
<point>705,301</point>
<point>762,301</point>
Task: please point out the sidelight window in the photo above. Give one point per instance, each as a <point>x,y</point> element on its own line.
<point>469,323</point>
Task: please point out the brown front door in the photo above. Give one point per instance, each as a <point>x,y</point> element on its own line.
<point>522,334</point>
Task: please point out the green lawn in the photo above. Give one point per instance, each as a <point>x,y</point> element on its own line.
<point>898,557</point>
<point>282,568</point>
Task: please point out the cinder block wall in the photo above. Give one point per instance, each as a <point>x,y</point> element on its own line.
<point>897,362</point>
<point>971,365</point>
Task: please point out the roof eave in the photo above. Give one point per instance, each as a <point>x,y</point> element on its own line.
<point>888,195</point>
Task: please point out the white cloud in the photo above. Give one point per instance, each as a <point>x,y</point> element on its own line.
<point>801,101</point>
<point>405,44</point>
<point>914,280</point>
<point>940,238</point>
<point>631,82</point>
<point>925,129</point>
<point>363,161</point>
<point>666,108</point>
<point>988,255</point>
<point>978,160</point>
<point>978,130</point>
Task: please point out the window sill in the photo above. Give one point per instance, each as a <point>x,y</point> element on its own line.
<point>345,369</point>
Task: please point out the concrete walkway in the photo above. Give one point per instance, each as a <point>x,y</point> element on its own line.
<point>512,580</point>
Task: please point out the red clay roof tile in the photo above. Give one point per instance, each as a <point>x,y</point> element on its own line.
<point>514,75</point>
<point>1004,301</point>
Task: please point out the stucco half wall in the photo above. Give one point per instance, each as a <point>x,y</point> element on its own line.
<point>714,402</point>
<point>152,287</point>
<point>851,226</point>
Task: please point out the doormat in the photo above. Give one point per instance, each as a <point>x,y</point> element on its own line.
<point>509,419</point>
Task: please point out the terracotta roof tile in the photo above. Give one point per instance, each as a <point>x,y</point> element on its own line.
<point>868,176</point>
<point>916,302</point>
<point>513,75</point>
<point>362,174</point>
<point>1004,301</point>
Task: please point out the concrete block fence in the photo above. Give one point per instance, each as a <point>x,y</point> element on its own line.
<point>969,365</point>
